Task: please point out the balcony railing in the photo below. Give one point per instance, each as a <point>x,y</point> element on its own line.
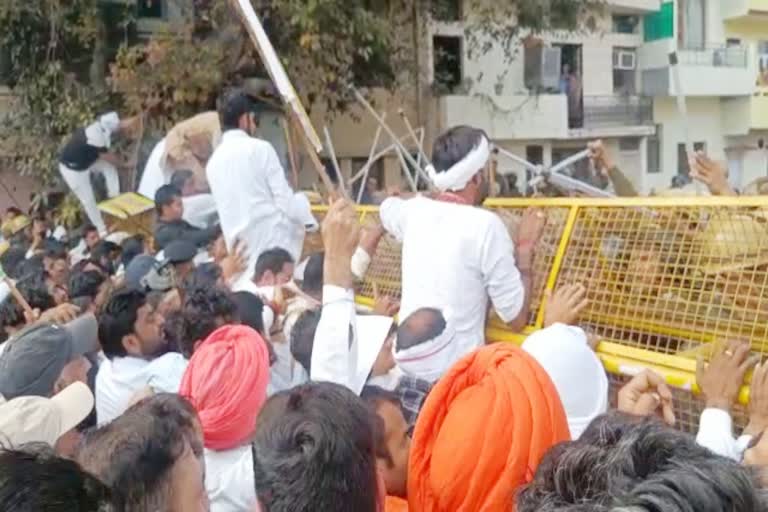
<point>614,111</point>
<point>715,56</point>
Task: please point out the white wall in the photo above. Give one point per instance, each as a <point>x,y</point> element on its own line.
<point>704,125</point>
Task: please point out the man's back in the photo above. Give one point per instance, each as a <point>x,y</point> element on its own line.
<point>454,258</point>
<point>254,200</point>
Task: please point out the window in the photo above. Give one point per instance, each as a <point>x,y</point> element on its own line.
<point>624,71</point>
<point>535,154</point>
<point>682,157</point>
<point>150,8</point>
<point>447,63</point>
<point>626,24</point>
<point>629,144</point>
<point>691,24</point>
<point>654,152</point>
<point>446,10</point>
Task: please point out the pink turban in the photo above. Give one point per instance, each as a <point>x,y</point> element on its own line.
<point>226,381</point>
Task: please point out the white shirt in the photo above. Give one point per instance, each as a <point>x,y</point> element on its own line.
<point>454,258</point>
<point>334,355</point>
<point>253,198</point>
<point>229,480</point>
<point>200,210</point>
<point>118,380</point>
<point>716,434</point>
<point>155,175</point>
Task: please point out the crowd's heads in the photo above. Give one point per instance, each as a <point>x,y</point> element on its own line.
<point>204,310</point>
<point>151,456</point>
<point>226,381</point>
<point>505,410</point>
<point>315,451</point>
<point>130,326</point>
<point>274,267</point>
<point>12,259</point>
<point>453,147</point>
<point>89,290</point>
<point>34,479</point>
<point>45,358</point>
<point>424,344</point>
<point>312,284</point>
<point>391,436</point>
<point>132,246</point>
<point>303,338</point>
<point>181,254</point>
<point>184,181</point>
<point>576,371</point>
<point>622,463</point>
<point>238,111</point>
<point>105,254</point>
<point>56,262</point>
<point>168,203</point>
<point>250,311</point>
<point>91,236</point>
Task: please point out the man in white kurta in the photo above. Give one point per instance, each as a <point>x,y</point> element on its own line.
<point>255,202</point>
<point>456,256</point>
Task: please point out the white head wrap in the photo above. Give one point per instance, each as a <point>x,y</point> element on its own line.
<point>431,359</point>
<point>99,134</point>
<point>110,122</point>
<point>458,176</point>
<point>575,370</point>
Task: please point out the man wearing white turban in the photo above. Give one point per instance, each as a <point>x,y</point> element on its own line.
<point>456,256</point>
<point>86,152</point>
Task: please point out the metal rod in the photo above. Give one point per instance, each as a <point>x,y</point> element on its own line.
<point>515,158</point>
<point>389,131</point>
<point>411,181</point>
<point>335,162</point>
<point>566,182</point>
<point>570,160</point>
<point>682,110</point>
<point>422,154</point>
<point>367,166</point>
<point>378,155</point>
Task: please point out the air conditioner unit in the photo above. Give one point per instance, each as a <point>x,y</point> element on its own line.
<point>625,60</point>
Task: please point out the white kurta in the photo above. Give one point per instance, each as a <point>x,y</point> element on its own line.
<point>155,175</point>
<point>255,202</point>
<point>454,258</point>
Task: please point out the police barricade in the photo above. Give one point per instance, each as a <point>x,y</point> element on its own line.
<point>668,279</point>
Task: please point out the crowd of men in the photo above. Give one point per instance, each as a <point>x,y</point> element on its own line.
<point>217,368</point>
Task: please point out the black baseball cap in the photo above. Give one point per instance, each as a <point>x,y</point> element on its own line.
<point>180,251</point>
<point>33,359</point>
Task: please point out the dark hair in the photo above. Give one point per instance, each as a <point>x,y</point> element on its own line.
<point>642,465</point>
<point>34,478</point>
<point>136,452</point>
<point>250,310</point>
<point>118,319</point>
<point>204,309</point>
<point>452,146</point>
<point>55,250</point>
<point>303,338</point>
<point>313,273</point>
<point>11,315</point>
<point>315,451</point>
<point>89,228</point>
<point>85,284</point>
<point>273,260</point>
<point>35,292</point>
<point>105,249</point>
<point>12,259</point>
<point>203,276</point>
<point>180,178</point>
<point>31,268</point>
<point>234,105</point>
<point>14,210</point>
<point>164,196</point>
<point>421,326</point>
<point>374,396</point>
<point>132,247</point>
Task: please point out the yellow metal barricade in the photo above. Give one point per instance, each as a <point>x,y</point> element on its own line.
<point>667,278</point>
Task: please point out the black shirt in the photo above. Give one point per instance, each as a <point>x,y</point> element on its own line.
<point>77,154</point>
<point>167,232</point>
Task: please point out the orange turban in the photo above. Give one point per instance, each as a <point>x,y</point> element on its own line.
<point>226,381</point>
<point>483,430</point>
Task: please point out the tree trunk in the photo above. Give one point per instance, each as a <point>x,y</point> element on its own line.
<point>98,70</point>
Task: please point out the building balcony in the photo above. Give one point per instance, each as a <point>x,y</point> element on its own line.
<point>743,115</point>
<point>634,6</point>
<point>714,70</point>
<point>547,116</point>
<point>737,10</point>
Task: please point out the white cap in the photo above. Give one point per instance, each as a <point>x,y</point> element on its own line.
<point>575,370</point>
<point>34,419</point>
